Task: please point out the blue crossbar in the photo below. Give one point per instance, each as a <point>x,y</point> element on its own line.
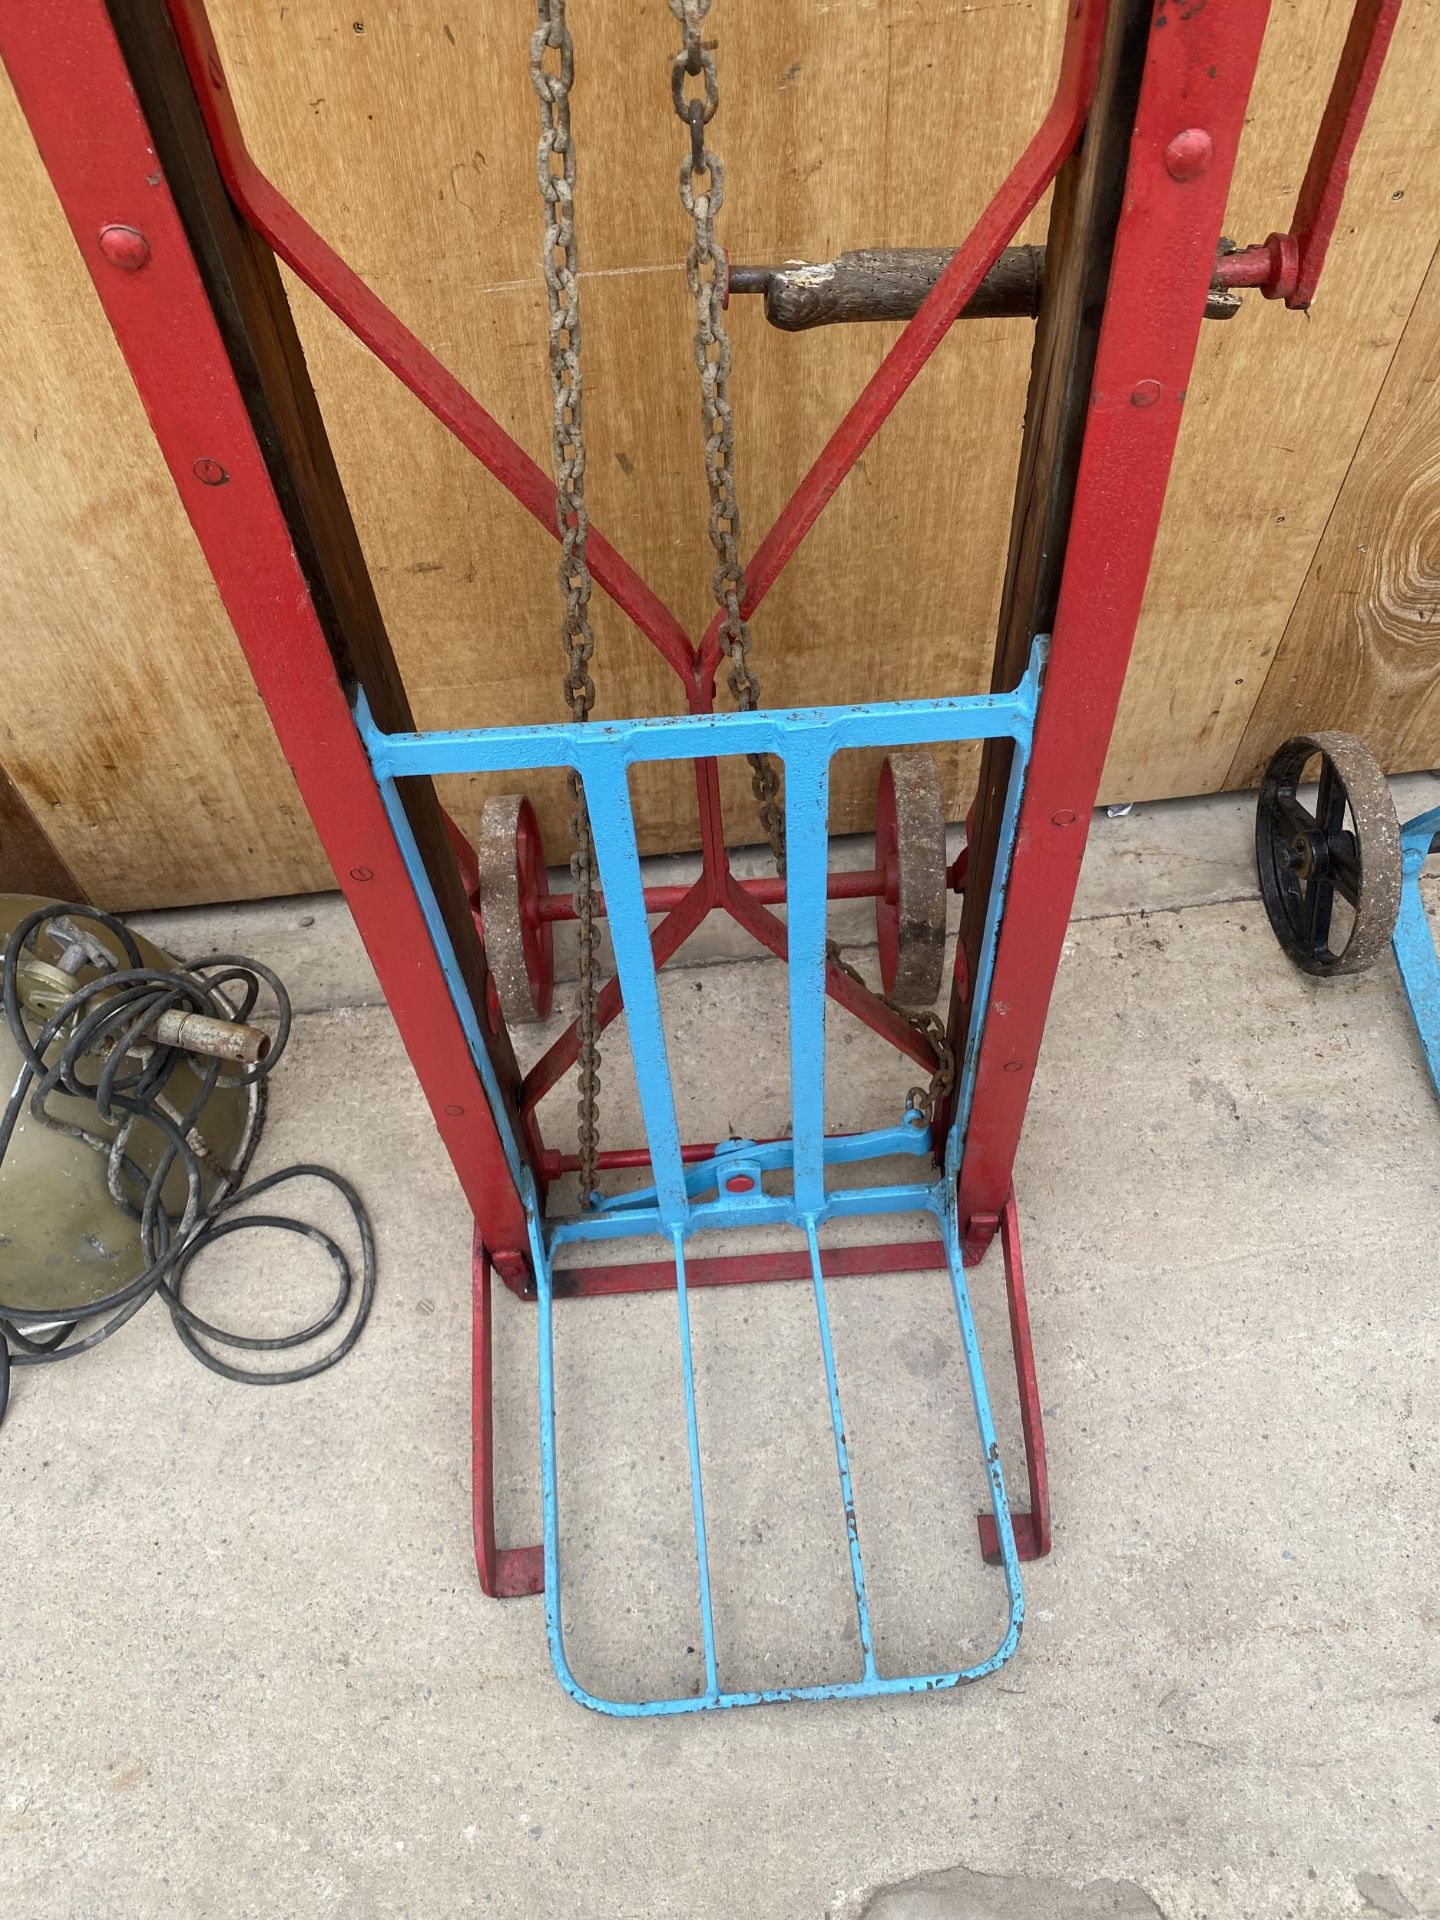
<point>682,1201</point>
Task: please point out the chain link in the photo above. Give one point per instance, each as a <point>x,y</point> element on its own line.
<point>552,73</point>
<point>702,194</point>
<point>922,1100</point>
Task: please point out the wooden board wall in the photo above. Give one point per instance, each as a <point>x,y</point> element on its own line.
<point>405,132</point>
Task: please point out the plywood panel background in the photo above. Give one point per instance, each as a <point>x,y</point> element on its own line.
<point>406,134</point>
<point>1362,647</point>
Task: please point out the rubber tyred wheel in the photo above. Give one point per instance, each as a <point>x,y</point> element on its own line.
<point>1347,852</point>
<point>519,943</point>
<point>910,852</point>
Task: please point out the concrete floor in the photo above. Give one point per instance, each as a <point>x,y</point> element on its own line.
<point>246,1669</point>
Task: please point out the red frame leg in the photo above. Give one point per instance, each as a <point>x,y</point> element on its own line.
<point>282,228</point>
<point>1032,1529</point>
<point>505,1572</point>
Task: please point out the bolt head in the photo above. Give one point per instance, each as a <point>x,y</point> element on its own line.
<point>1064,818</point>
<point>362,873</point>
<point>1189,154</point>
<point>1146,393</point>
<point>1305,854</point>
<point>124,247</point>
<point>1284,252</point>
<point>210,473</point>
<point>739,1183</point>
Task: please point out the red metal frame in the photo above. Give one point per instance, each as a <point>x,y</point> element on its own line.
<point>1287,266</point>
<point>505,1572</point>
<point>1032,1528</point>
<point>1197,76</point>
<point>75,89</point>
<point>716,889</point>
<point>73,85</point>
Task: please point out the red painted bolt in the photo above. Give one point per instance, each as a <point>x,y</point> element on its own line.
<point>1065,818</point>
<point>362,873</point>
<point>739,1183</point>
<point>1284,252</point>
<point>1146,394</point>
<point>210,473</point>
<point>456,1111</point>
<point>1189,154</point>
<point>124,247</point>
<point>1013,1066</point>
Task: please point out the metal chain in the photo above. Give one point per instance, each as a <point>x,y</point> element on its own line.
<point>702,193</point>
<point>922,1100</point>
<point>552,73</point>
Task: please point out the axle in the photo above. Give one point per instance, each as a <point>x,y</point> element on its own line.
<point>867,883</point>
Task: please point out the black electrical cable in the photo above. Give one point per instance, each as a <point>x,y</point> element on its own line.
<point>110,1018</point>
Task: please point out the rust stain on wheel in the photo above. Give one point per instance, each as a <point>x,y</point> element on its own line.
<point>519,942</point>
<point>910,852</point>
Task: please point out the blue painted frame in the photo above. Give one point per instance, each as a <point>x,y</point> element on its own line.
<point>1413,942</point>
<point>676,1205</point>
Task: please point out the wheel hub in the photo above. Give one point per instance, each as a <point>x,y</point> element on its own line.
<point>1307,855</point>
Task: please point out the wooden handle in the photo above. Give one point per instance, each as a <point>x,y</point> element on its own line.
<point>889,283</point>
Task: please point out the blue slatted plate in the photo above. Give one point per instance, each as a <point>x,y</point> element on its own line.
<point>683,1201</point>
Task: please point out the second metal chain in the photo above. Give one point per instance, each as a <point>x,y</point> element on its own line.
<point>552,73</point>
<point>702,193</point>
<point>919,1099</point>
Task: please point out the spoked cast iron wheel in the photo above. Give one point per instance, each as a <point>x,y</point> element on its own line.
<point>1349,847</point>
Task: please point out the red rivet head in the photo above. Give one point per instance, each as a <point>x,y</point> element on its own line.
<point>1146,394</point>
<point>1189,154</point>
<point>739,1183</point>
<point>210,473</point>
<point>362,873</point>
<point>124,247</point>
<point>1064,818</point>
